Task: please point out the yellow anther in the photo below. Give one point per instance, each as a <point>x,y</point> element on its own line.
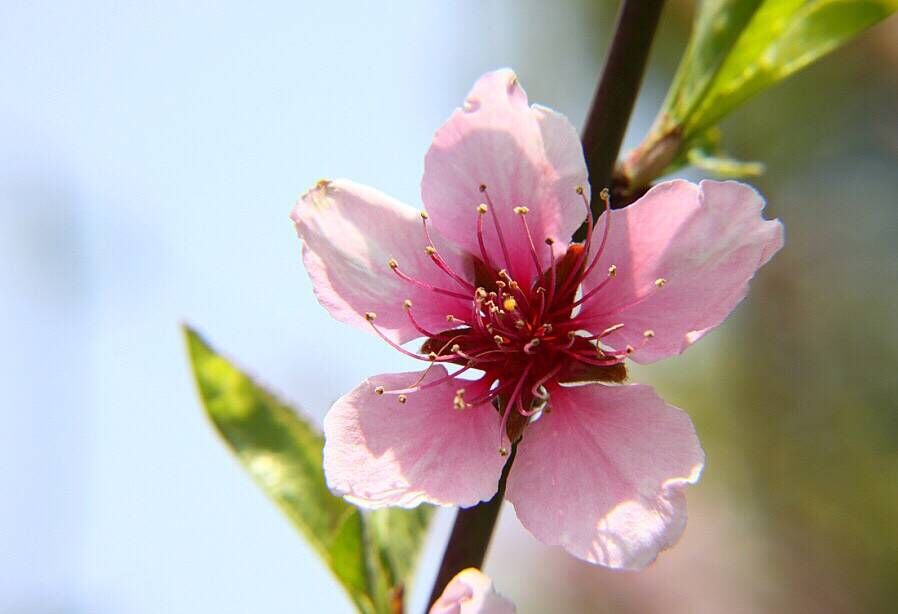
<point>605,194</point>
<point>648,334</point>
<point>579,189</point>
<point>407,304</point>
<point>459,401</point>
<point>660,282</point>
<point>402,398</point>
<point>432,356</point>
<point>480,293</point>
<point>499,339</point>
<point>430,250</point>
<point>392,263</point>
<point>424,215</point>
<point>503,451</point>
<point>501,284</point>
<point>379,390</point>
<point>455,349</point>
<point>450,318</point>
<point>370,316</point>
<point>482,208</point>
<point>612,270</point>
<point>513,285</point>
<point>521,210</point>
<point>509,303</point>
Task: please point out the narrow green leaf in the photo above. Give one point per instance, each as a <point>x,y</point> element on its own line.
<point>373,556</point>
<point>783,37</point>
<point>283,454</point>
<point>398,534</point>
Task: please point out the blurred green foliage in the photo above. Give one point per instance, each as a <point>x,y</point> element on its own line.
<point>373,556</point>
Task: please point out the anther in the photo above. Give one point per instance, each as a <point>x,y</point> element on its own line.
<point>430,250</point>
<point>450,318</point>
<point>482,187</point>
<point>550,241</point>
<point>370,316</point>
<point>579,189</point>
<point>630,349</point>
<point>531,346</point>
<point>392,263</point>
<point>509,303</point>
<point>612,270</point>
<point>402,398</point>
<point>521,210</point>
<point>379,390</point>
<point>605,194</point>
<point>648,334</point>
<point>459,400</point>
<point>520,324</point>
<point>503,451</point>
<point>499,339</point>
<point>407,304</point>
<point>432,356</point>
<point>660,282</point>
<point>480,293</point>
<point>482,209</point>
<point>424,215</point>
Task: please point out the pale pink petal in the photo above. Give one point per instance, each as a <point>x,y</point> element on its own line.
<point>684,255</point>
<point>380,452</point>
<point>602,474</point>
<point>526,156</point>
<point>471,592</point>
<point>349,234</point>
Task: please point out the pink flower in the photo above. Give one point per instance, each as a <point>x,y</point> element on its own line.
<point>471,592</point>
<point>487,278</point>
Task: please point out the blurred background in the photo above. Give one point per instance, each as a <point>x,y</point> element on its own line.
<point>149,156</point>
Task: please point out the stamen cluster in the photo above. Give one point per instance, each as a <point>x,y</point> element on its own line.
<point>523,335</point>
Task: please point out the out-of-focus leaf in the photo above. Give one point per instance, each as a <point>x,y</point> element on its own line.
<point>398,534</point>
<point>723,166</point>
<point>373,556</point>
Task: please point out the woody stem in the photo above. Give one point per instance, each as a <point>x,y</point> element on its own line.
<point>602,138</point>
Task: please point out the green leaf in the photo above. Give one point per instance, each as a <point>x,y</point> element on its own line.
<point>782,37</point>
<point>739,48</point>
<point>372,556</point>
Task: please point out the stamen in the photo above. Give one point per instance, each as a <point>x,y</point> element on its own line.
<point>481,211</point>
<point>497,226</point>
<point>438,260</point>
<point>509,405</point>
<point>606,198</point>
<point>394,265</point>
<point>522,213</point>
<point>660,282</point>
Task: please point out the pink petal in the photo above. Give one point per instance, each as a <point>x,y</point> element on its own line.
<point>602,474</point>
<point>526,156</point>
<point>380,452</point>
<point>349,234</point>
<point>705,242</point>
<point>471,592</point>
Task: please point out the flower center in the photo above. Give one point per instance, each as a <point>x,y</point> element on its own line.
<point>523,335</point>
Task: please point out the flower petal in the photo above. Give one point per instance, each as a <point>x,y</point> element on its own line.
<point>684,255</point>
<point>602,474</point>
<point>349,234</point>
<point>471,592</point>
<point>381,452</point>
<point>526,156</point>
